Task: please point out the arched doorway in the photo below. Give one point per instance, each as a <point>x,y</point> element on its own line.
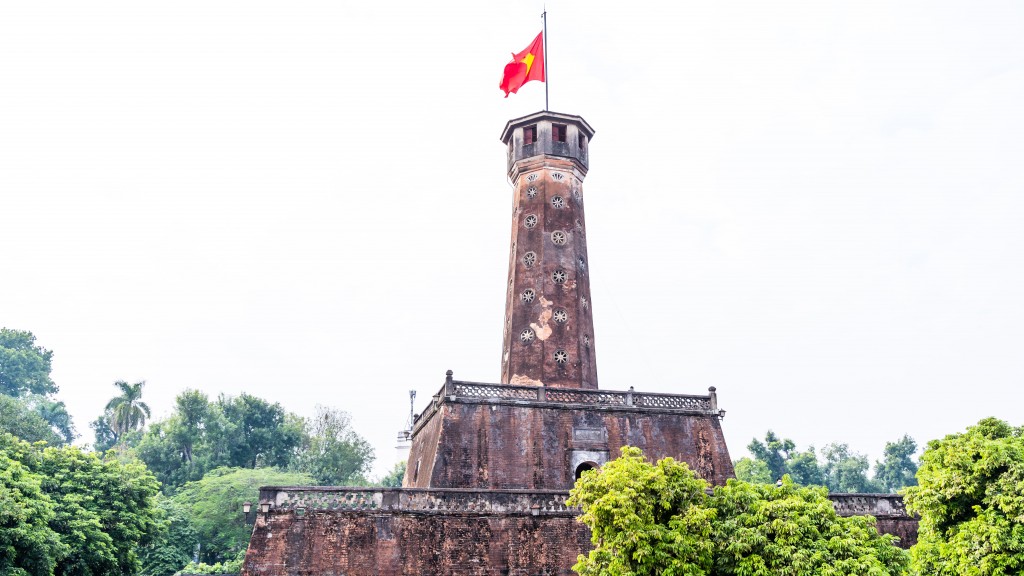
<point>584,467</point>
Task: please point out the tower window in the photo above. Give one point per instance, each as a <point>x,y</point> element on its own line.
<point>558,132</point>
<point>560,315</point>
<point>581,141</point>
<point>529,134</point>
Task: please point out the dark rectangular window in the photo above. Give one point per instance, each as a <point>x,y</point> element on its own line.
<point>529,134</point>
<point>581,141</point>
<point>558,132</point>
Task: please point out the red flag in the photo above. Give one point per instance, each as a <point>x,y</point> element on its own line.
<point>525,66</point>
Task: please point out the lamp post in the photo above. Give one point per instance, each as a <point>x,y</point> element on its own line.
<point>246,508</point>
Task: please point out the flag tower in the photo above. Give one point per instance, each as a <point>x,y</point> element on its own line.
<point>548,337</point>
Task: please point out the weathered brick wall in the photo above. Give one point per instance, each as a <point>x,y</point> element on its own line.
<point>415,533</point>
<point>889,512</point>
<point>524,443</point>
<point>390,532</point>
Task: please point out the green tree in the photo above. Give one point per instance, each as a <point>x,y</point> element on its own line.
<point>753,470</point>
<point>263,434</point>
<point>105,509</point>
<point>648,519</point>
<point>174,544</point>
<point>28,545</point>
<point>56,415</point>
<point>788,529</point>
<point>774,452</point>
<point>897,468</point>
<point>332,453</point>
<point>24,366</point>
<point>101,509</point>
<point>214,504</point>
<point>17,418</point>
<point>106,437</point>
<point>394,478</point>
<point>127,412</point>
<point>804,468</point>
<point>970,496</point>
<point>644,518</point>
<point>845,471</point>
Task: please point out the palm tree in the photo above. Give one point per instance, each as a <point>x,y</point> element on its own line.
<point>127,412</point>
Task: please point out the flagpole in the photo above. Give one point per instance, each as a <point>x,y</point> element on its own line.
<point>544,15</point>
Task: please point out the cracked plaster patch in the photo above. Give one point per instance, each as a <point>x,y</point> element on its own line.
<point>541,327</point>
<point>520,380</point>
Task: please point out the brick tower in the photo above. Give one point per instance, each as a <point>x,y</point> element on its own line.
<point>547,421</point>
<point>549,332</point>
<point>491,464</point>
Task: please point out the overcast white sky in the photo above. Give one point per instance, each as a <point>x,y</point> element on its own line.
<point>817,207</point>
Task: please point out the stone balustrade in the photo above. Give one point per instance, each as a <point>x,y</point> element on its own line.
<point>877,505</point>
<point>486,502</point>
<point>415,500</point>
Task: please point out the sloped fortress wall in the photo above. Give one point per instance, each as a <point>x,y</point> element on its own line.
<point>408,532</point>
<point>413,532</point>
<point>490,436</point>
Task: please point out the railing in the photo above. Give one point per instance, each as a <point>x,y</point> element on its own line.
<point>868,504</point>
<point>302,499</point>
<point>460,389</point>
<point>455,390</point>
<point>469,501</point>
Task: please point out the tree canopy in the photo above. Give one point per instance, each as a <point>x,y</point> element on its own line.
<point>648,519</point>
<point>249,432</point>
<point>839,469</point>
<point>101,510</point>
<point>970,497</point>
<point>215,505</point>
<point>25,379</point>
<point>126,411</point>
<point>24,366</point>
<point>19,419</point>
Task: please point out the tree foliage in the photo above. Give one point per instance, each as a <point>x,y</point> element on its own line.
<point>393,479</point>
<point>970,498</point>
<point>644,518</point>
<point>332,453</point>
<point>658,519</point>
<point>101,510</point>
<point>845,471</point>
<point>249,432</point>
<point>897,468</point>
<point>24,366</point>
<point>28,545</point>
<point>19,419</point>
<point>127,412</point>
<point>25,379</point>
<point>175,542</point>
<point>788,529</point>
<point>215,505</point>
<point>839,469</point>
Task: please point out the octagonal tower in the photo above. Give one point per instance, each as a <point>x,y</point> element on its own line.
<point>549,331</point>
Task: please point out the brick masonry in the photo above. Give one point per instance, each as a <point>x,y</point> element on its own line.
<point>415,532</point>
<point>488,436</point>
